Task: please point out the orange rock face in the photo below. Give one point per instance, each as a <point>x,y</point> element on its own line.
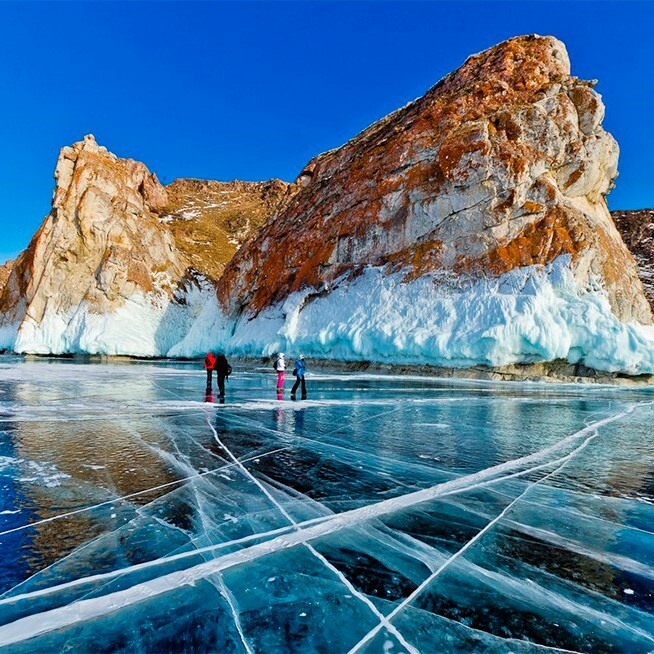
<point>503,163</point>
<point>5,269</point>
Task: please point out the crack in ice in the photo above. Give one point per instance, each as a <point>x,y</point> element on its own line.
<point>407,601</point>
<point>317,521</point>
<point>59,516</point>
<point>480,534</point>
<point>348,584</point>
<point>79,611</point>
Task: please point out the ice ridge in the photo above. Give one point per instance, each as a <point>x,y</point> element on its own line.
<point>530,314</point>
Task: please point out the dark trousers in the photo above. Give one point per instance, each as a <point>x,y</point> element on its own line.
<point>221,381</point>
<point>298,381</point>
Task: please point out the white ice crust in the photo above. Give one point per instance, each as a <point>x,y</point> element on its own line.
<point>145,325</point>
<point>529,314</point>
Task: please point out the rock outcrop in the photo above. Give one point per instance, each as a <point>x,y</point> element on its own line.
<point>503,164</point>
<point>101,246</point>
<point>637,230</point>
<point>121,264</point>
<point>5,269</point>
<point>468,228</point>
<point>101,242</point>
<point>210,220</point>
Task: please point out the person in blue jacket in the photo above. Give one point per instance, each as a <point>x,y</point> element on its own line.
<point>299,371</point>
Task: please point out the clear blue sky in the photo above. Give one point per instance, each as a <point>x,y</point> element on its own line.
<point>253,90</point>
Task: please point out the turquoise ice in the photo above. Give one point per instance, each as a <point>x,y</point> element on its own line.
<point>383,514</point>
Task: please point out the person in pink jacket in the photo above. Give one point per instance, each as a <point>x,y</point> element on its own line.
<point>280,366</point>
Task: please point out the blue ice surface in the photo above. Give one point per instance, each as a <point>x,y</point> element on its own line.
<point>383,514</point>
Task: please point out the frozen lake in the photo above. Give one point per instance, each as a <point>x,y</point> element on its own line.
<point>383,514</point>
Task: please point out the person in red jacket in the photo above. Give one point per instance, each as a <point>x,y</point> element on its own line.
<point>209,365</point>
<point>219,363</point>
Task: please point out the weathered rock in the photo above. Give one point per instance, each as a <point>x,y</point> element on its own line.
<point>502,164</point>
<point>100,245</point>
<point>210,220</point>
<point>463,229</point>
<point>5,269</point>
<point>121,265</point>
<point>637,230</point>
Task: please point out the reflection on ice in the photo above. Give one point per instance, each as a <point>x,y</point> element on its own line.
<point>385,514</point>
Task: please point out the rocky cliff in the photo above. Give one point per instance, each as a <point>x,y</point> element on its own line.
<point>121,263</point>
<point>503,164</point>
<point>100,247</point>
<point>5,269</point>
<point>637,230</point>
<point>468,227</point>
